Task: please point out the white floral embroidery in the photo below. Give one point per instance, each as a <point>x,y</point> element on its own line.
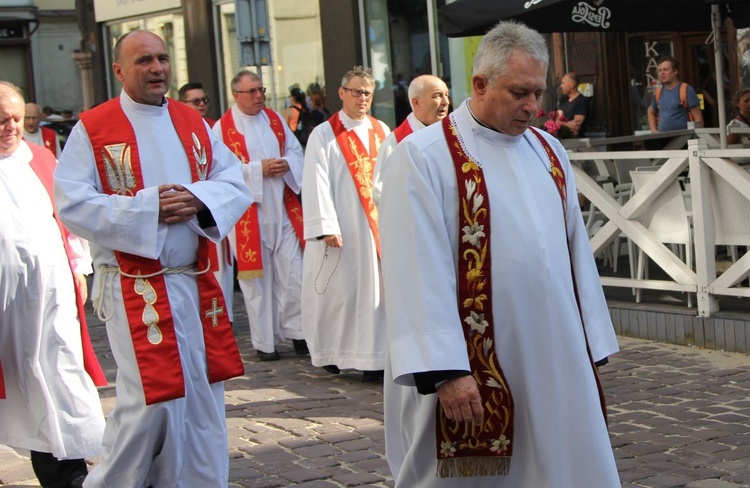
<point>447,448</point>
<point>471,185</point>
<point>473,234</point>
<point>500,445</point>
<point>486,345</point>
<point>492,383</point>
<point>478,200</point>
<point>476,322</point>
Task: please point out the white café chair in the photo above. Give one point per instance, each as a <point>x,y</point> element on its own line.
<point>667,218</point>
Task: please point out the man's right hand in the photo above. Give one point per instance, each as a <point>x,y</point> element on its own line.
<point>461,400</point>
<point>333,240</point>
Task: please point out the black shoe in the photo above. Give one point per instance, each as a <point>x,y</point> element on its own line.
<point>332,368</point>
<point>300,347</point>
<point>268,356</point>
<point>373,376</point>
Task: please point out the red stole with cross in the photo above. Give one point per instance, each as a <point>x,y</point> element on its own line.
<point>247,229</point>
<point>403,130</point>
<point>361,165</point>
<point>483,450</point>
<point>50,139</point>
<point>144,287</point>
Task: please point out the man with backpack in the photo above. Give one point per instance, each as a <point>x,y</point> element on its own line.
<point>675,103</point>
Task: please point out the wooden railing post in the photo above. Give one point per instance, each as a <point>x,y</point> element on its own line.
<point>703,228</point>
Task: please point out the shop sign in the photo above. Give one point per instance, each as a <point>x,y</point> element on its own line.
<point>105,10</point>
<point>11,31</point>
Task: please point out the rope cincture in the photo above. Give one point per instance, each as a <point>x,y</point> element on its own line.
<point>106,283</point>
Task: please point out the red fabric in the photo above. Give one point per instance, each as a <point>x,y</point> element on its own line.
<point>159,363</point>
<point>50,139</point>
<point>403,130</point>
<point>249,263</point>
<point>43,164</point>
<point>354,161</point>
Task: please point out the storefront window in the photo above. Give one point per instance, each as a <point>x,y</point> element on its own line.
<point>403,42</point>
<point>296,50</point>
<point>168,26</point>
<point>645,51</point>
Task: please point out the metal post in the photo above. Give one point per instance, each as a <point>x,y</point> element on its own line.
<point>716,27</point>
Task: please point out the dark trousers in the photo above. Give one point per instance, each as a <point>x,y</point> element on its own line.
<point>55,473</point>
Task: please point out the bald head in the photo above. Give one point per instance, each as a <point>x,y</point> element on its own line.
<point>429,98</point>
<point>142,66</point>
<point>11,118</point>
<point>32,118</point>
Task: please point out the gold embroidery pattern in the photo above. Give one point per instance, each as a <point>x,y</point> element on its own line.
<point>362,165</point>
<point>246,253</point>
<point>462,445</point>
<point>119,169</point>
<point>215,312</point>
<point>234,145</point>
<point>199,153</point>
<point>149,316</point>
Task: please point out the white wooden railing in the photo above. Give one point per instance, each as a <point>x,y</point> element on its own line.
<point>619,219</point>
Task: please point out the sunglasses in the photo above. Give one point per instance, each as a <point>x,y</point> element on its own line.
<point>198,101</point>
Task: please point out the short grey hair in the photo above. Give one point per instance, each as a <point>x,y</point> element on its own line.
<point>358,72</point>
<point>235,84</point>
<point>501,42</point>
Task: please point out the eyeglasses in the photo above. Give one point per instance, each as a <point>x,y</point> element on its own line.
<point>252,91</point>
<point>198,101</point>
<point>358,93</point>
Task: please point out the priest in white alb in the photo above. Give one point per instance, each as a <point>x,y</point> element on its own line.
<point>343,313</point>
<point>144,179</point>
<point>429,99</point>
<point>496,314</point>
<point>267,241</point>
<point>48,371</point>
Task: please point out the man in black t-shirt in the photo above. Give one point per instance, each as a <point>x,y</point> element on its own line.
<point>573,105</point>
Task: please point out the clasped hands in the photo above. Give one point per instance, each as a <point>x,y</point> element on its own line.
<point>274,167</point>
<point>177,204</point>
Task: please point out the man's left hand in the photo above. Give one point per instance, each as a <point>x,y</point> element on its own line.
<point>82,285</point>
<point>177,204</point>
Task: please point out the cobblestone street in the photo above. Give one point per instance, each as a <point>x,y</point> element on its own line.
<point>678,417</point>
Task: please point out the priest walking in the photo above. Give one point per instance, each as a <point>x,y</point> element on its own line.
<point>48,402</point>
<point>429,99</point>
<point>267,241</point>
<point>144,179</point>
<point>342,299</point>
<point>494,301</point>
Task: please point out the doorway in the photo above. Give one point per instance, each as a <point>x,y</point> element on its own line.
<point>700,72</point>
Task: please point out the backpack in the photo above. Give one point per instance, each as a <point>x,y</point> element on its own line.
<point>305,125</point>
<point>683,98</point>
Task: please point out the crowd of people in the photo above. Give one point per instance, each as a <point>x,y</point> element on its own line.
<point>385,252</point>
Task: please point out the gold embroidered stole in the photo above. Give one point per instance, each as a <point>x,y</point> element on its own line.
<point>361,165</point>
<point>144,288</point>
<point>465,450</point>
<point>247,229</point>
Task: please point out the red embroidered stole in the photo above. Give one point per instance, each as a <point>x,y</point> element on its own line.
<point>361,165</point>
<point>558,175</point>
<point>43,164</point>
<point>247,229</point>
<point>403,130</point>
<point>50,139</point>
<point>476,450</point>
<point>143,283</point>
